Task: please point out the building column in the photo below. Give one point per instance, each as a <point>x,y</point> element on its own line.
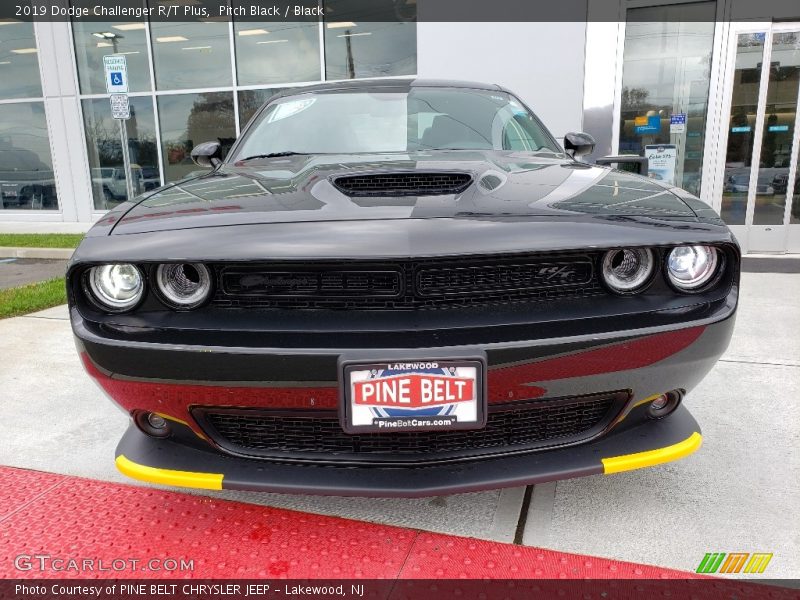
<point>64,122</point>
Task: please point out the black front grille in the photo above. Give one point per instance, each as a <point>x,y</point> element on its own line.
<point>318,436</point>
<point>407,284</point>
<point>403,184</point>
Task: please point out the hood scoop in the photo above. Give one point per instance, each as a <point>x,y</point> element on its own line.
<point>403,184</point>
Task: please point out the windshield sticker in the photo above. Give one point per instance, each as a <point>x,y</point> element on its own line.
<point>288,109</point>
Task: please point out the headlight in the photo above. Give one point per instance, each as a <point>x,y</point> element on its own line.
<point>628,270</point>
<point>116,287</point>
<point>184,285</point>
<point>691,267</point>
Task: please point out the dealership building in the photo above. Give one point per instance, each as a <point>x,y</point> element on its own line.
<point>708,90</point>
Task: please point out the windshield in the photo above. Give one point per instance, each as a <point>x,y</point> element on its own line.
<point>390,121</point>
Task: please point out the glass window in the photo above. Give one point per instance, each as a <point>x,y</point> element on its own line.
<point>666,73</point>
<point>96,39</point>
<point>26,165</point>
<point>189,119</point>
<point>742,127</point>
<point>191,54</point>
<point>376,48</point>
<point>104,146</point>
<point>250,101</point>
<point>779,117</point>
<point>19,61</point>
<point>396,121</point>
<point>276,52</point>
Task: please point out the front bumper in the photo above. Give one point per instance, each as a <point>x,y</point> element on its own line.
<point>166,462</point>
<point>173,380</point>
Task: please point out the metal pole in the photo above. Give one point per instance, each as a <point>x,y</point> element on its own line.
<point>126,159</point>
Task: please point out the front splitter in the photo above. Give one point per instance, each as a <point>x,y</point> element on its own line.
<point>168,462</point>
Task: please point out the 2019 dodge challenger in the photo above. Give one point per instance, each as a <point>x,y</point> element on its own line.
<point>402,288</point>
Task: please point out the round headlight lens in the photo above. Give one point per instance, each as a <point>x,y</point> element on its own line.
<point>184,285</point>
<point>691,267</point>
<point>116,287</point>
<point>628,270</point>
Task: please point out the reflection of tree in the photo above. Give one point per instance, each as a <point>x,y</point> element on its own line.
<point>633,98</point>
<point>106,147</point>
<point>210,119</point>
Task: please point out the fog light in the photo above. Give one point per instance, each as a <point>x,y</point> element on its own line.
<point>152,424</point>
<point>156,421</point>
<point>664,405</point>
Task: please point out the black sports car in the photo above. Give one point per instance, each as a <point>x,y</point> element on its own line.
<point>402,288</point>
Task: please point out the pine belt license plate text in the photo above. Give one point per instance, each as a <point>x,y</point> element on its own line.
<point>414,395</point>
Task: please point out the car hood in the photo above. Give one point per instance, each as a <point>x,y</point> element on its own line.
<point>300,189</point>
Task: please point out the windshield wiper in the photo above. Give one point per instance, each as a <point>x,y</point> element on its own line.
<point>272,155</point>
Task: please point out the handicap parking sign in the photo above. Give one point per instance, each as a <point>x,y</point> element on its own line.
<point>116,68</point>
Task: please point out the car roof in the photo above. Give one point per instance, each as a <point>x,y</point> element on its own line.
<point>367,85</point>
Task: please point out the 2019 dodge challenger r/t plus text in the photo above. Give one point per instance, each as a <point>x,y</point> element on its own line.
<point>402,288</point>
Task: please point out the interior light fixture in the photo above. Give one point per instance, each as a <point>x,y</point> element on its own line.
<point>341,24</point>
<point>171,38</point>
<point>25,51</point>
<point>129,26</point>
<point>245,32</point>
<point>354,34</point>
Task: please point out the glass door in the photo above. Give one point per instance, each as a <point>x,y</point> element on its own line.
<point>760,183</point>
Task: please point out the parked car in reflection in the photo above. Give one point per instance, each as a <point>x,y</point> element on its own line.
<point>113,184</point>
<point>740,184</point>
<point>25,181</point>
<point>781,183</point>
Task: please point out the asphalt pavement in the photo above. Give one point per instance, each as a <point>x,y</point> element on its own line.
<point>738,493</point>
<point>21,271</point>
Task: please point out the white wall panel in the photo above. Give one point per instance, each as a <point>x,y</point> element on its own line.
<point>541,62</point>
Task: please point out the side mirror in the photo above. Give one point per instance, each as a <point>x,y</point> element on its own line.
<point>207,155</point>
<point>578,144</point>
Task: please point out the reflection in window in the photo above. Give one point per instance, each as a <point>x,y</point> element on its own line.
<point>26,166</point>
<point>96,39</point>
<point>189,119</point>
<point>666,71</point>
<point>104,146</point>
<point>742,127</point>
<point>250,101</point>
<point>779,117</point>
<point>276,52</point>
<point>19,61</point>
<point>191,54</point>
<point>384,45</point>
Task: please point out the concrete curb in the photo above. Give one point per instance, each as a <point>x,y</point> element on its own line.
<point>53,253</point>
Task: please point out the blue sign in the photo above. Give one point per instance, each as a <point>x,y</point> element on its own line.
<point>779,128</point>
<point>651,124</point>
<point>677,119</point>
<point>116,78</point>
<point>744,129</point>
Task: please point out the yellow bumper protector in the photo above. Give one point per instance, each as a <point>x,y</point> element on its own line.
<point>190,479</point>
<point>649,458</point>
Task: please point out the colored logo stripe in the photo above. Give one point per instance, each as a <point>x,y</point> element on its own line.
<point>716,561</point>
<point>711,562</point>
<point>758,563</point>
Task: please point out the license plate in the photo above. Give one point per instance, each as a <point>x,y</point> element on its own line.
<point>413,395</point>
